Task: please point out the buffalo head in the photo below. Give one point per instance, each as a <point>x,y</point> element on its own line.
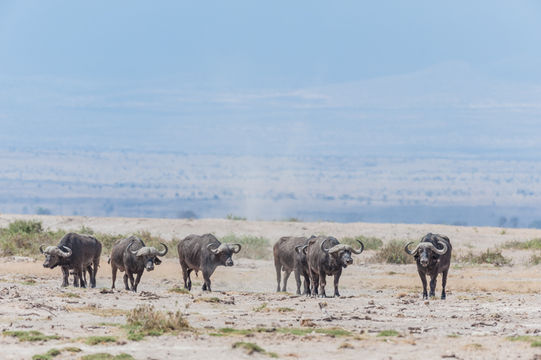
<point>427,253</point>
<point>149,255</point>
<point>342,253</point>
<point>54,254</point>
<point>224,252</point>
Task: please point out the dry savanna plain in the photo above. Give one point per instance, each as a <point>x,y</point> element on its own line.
<point>493,306</point>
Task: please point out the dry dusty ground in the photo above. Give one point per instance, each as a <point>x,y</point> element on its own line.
<point>485,305</point>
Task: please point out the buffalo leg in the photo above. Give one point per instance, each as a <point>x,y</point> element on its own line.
<point>132,281</point>
<point>189,279</point>
<point>336,280</point>
<point>423,280</point>
<point>137,279</point>
<point>286,277</point>
<point>206,279</point>
<point>94,272</point>
<point>113,269</point>
<point>306,284</point>
<point>186,276</point>
<point>322,284</point>
<point>433,281</point>
<point>65,276</point>
<point>278,267</point>
<point>80,274</point>
<point>298,281</point>
<point>314,283</point>
<point>126,278</point>
<point>443,283</point>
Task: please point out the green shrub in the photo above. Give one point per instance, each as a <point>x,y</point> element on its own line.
<point>95,340</point>
<point>393,253</point>
<point>370,243</point>
<point>494,257</point>
<point>25,226</point>
<point>535,259</point>
<point>143,321</point>
<point>524,245</point>
<point>253,247</point>
<point>31,335</point>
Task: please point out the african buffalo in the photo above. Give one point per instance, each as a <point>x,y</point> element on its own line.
<point>326,256</point>
<point>132,256</point>
<point>433,256</point>
<point>78,252</point>
<point>204,253</point>
<point>288,257</point>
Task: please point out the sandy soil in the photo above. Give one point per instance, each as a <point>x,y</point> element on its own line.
<point>485,306</point>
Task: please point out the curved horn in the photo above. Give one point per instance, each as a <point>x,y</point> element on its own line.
<point>65,253</point>
<point>438,251</point>
<point>41,248</point>
<point>130,250</point>
<point>410,252</point>
<point>164,251</point>
<point>216,250</point>
<point>239,246</point>
<point>360,249</point>
<point>300,248</point>
<point>323,247</point>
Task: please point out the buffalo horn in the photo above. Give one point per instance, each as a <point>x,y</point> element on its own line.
<point>164,251</point>
<point>65,253</point>
<point>360,249</point>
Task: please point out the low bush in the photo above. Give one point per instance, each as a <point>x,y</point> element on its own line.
<point>143,321</point>
<point>494,257</point>
<point>393,253</point>
<point>370,243</point>
<point>253,247</point>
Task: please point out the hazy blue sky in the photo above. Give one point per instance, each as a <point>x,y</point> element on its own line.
<point>308,77</point>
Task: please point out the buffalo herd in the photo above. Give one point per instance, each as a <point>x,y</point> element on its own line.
<point>310,259</point>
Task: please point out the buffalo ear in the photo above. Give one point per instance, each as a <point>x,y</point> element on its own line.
<point>157,261</point>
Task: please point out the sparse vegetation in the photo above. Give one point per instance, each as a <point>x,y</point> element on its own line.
<point>145,321</point>
<point>24,237</point>
<point>179,290</point>
<point>69,295</point>
<point>393,253</point>
<point>31,335</point>
<point>95,340</point>
<point>97,311</point>
<point>106,356</point>
<point>370,243</point>
<point>235,217</point>
<point>388,333</point>
<point>533,244</point>
<point>253,247</point>
<point>535,259</point>
<point>535,341</point>
<point>212,299</point>
<point>260,308</point>
<point>251,348</point>
<point>494,257</point>
<point>47,356</point>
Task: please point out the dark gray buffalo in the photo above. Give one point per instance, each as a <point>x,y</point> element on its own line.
<point>79,253</point>
<point>204,253</point>
<point>326,256</point>
<point>289,256</point>
<point>132,256</point>
<point>433,256</point>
